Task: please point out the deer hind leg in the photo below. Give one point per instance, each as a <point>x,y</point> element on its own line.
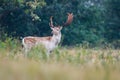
<point>26,49</point>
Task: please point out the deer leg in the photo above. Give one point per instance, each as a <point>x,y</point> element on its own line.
<point>48,53</point>
<point>26,49</point>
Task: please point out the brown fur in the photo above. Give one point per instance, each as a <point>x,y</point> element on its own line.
<point>33,40</point>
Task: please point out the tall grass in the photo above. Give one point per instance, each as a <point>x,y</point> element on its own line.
<point>77,63</point>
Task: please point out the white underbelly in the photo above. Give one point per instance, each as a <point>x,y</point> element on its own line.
<point>48,46</point>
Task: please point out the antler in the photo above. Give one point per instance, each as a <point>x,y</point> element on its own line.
<point>69,19</point>
<point>51,22</point>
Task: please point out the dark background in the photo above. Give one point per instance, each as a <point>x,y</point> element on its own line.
<point>96,22</point>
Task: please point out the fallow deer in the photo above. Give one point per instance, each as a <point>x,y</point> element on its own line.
<point>49,42</point>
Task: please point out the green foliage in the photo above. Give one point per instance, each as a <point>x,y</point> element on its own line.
<point>112,22</point>
<point>10,47</point>
<point>37,53</point>
<point>64,63</point>
<point>17,17</point>
<point>95,22</point>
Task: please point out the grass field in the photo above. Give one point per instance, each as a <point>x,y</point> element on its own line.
<point>76,63</point>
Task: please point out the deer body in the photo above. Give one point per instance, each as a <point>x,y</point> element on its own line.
<point>49,42</point>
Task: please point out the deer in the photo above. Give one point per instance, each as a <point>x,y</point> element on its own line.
<point>49,42</point>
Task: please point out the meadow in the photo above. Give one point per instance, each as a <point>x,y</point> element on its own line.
<point>65,63</point>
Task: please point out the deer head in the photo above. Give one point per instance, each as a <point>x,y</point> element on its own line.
<point>56,29</point>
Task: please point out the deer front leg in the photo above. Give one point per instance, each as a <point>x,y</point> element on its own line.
<point>48,53</point>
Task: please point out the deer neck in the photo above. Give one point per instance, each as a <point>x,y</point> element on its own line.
<point>56,38</point>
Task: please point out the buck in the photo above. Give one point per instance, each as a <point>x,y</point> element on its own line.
<point>49,42</point>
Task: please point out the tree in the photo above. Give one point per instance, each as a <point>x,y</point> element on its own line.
<point>95,21</point>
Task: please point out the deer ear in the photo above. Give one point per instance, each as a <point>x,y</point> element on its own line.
<point>52,28</point>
